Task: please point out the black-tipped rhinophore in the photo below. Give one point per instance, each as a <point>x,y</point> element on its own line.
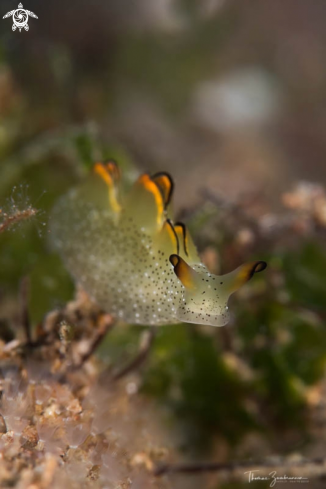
<point>259,266</point>
<point>174,260</point>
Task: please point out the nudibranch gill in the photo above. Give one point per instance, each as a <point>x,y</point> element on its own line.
<point>129,256</point>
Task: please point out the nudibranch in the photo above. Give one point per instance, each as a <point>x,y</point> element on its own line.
<point>127,253</point>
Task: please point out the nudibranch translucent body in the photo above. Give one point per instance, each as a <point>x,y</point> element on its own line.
<point>131,258</point>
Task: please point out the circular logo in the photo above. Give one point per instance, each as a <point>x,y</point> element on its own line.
<point>20,18</point>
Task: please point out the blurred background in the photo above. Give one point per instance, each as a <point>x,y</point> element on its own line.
<point>229,97</point>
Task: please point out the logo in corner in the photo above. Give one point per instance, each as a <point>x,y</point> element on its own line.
<point>20,18</point>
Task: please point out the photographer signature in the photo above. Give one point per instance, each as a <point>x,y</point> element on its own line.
<point>274,478</point>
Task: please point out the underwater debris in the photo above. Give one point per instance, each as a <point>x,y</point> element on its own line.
<point>17,210</point>
<point>59,417</point>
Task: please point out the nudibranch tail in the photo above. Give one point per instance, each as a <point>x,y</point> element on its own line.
<point>131,258</point>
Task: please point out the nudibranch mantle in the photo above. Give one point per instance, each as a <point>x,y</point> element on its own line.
<point>130,257</point>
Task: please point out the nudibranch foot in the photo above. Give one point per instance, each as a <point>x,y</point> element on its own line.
<point>129,255</point>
